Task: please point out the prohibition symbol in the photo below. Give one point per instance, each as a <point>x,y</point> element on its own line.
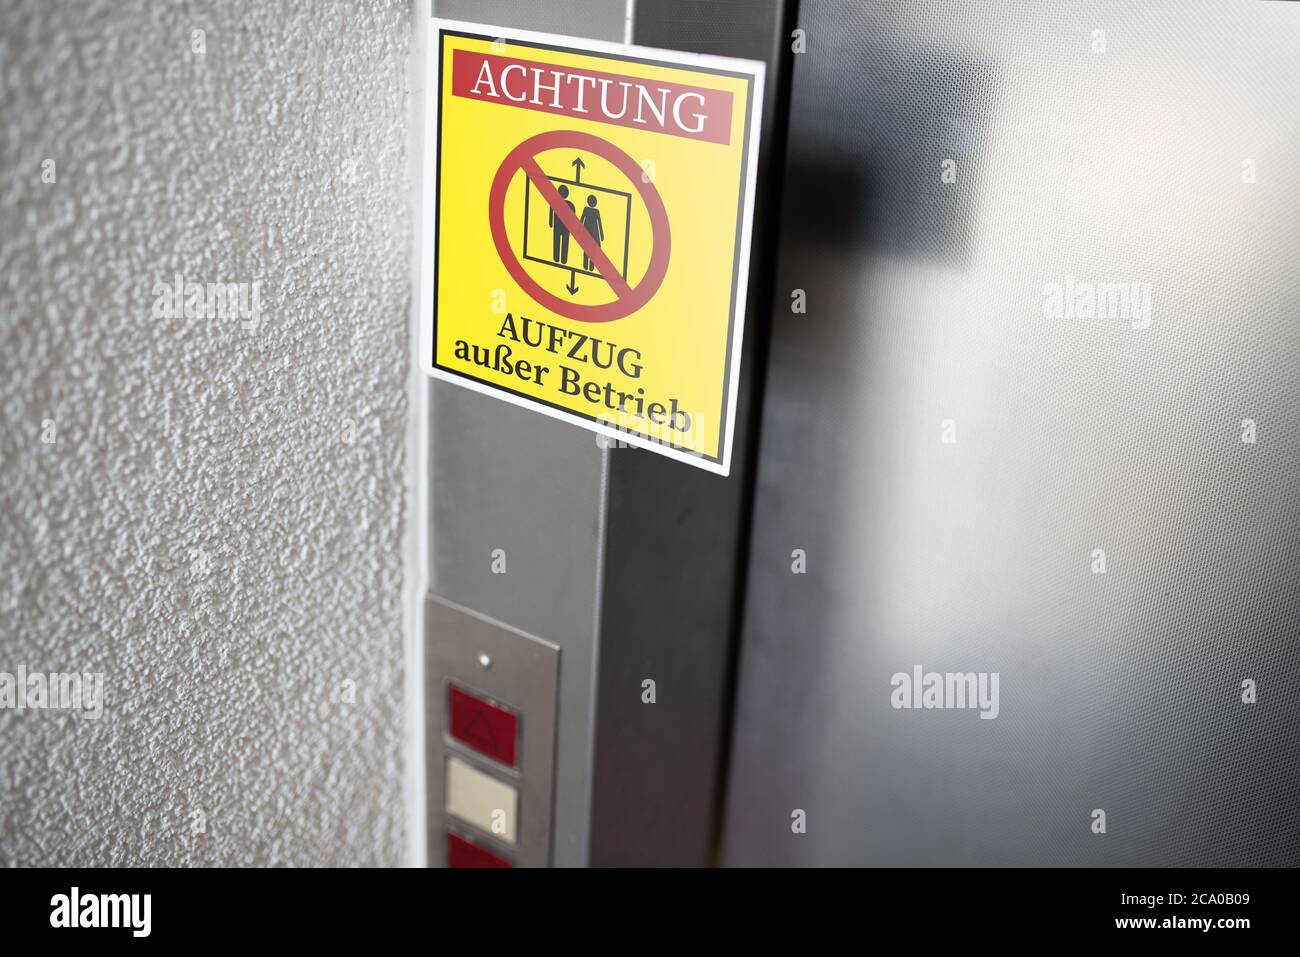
<point>627,298</point>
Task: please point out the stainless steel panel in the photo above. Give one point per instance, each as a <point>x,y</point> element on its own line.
<point>510,480</point>
<point>624,559</point>
<point>925,303</point>
<point>597,19</point>
<point>523,672</point>
<point>673,540</point>
<point>505,478</point>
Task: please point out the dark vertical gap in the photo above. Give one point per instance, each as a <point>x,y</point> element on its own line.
<point>763,276</point>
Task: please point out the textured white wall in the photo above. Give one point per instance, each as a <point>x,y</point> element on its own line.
<point>279,156</point>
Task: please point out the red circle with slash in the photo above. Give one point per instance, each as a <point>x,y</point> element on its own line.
<point>629,298</point>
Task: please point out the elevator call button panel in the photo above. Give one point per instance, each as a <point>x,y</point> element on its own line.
<point>493,693</point>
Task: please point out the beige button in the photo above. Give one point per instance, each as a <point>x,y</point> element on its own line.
<point>482,800</point>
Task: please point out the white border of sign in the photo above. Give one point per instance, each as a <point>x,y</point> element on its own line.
<point>429,190</point>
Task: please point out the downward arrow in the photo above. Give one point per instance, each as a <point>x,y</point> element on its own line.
<point>573,281</point>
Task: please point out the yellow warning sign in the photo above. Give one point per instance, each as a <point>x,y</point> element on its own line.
<point>586,230</point>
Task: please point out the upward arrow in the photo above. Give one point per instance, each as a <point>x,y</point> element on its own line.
<point>578,164</point>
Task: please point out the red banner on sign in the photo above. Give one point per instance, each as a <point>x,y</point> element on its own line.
<point>695,112</point>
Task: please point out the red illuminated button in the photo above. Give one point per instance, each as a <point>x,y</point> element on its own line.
<point>484,726</point>
<point>463,853</point>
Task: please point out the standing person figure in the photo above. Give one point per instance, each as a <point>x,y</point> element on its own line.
<point>559,231</point>
<point>591,222</point>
